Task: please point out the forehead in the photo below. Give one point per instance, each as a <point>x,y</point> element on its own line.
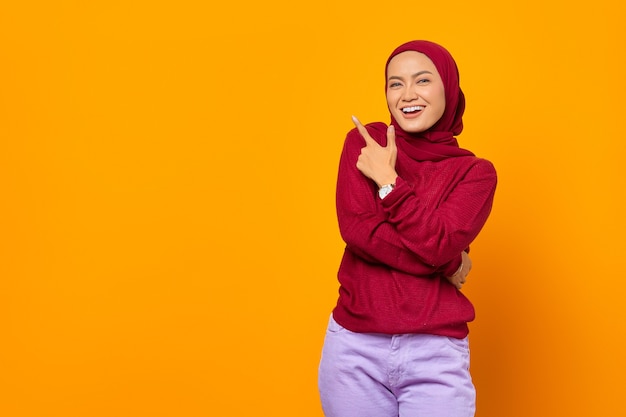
<point>410,62</point>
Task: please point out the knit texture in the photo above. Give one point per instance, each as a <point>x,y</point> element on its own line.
<point>400,249</point>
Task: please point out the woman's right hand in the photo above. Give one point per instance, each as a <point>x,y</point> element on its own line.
<point>377,162</point>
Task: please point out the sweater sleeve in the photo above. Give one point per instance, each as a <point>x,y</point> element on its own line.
<point>402,232</point>
<point>363,223</point>
<point>437,234</point>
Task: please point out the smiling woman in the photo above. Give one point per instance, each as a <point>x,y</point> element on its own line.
<point>409,203</point>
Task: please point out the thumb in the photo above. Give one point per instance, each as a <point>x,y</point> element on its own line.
<point>391,137</point>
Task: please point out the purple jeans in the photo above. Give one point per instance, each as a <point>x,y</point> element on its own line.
<point>405,375</point>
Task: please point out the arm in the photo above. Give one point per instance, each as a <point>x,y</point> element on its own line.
<point>439,232</point>
<point>363,222</point>
<point>401,231</point>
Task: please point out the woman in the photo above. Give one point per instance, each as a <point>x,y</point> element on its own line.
<point>409,203</point>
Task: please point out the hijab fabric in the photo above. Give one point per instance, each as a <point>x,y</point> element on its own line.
<point>438,142</point>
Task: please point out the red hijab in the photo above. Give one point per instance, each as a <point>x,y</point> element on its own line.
<point>439,141</point>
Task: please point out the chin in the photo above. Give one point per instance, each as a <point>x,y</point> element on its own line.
<point>410,128</point>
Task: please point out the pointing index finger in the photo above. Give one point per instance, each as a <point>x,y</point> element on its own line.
<point>363,131</point>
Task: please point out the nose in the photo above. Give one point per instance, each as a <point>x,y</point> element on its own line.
<point>409,94</point>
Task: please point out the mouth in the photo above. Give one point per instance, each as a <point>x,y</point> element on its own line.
<point>412,109</point>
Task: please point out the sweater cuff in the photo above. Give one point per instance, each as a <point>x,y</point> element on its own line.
<point>400,189</point>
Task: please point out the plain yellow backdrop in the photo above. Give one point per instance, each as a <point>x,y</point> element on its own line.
<point>168,237</point>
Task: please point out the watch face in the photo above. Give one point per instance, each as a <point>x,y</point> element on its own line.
<point>384,190</point>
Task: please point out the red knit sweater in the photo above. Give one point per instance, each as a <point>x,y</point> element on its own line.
<point>400,249</point>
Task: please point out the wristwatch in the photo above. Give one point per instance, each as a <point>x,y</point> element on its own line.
<point>385,190</point>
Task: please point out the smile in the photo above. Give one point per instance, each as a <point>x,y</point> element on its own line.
<point>412,109</point>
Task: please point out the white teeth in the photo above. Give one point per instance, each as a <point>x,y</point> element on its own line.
<point>412,109</point>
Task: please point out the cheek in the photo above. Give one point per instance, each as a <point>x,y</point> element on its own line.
<point>389,101</point>
<point>393,96</point>
<point>440,103</point>
<point>442,110</point>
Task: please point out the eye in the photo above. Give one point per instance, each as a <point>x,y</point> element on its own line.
<point>395,85</point>
<point>423,81</point>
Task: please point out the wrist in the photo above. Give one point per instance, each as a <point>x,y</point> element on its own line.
<point>387,180</point>
<point>458,271</point>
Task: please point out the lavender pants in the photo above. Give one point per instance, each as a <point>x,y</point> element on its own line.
<point>405,375</point>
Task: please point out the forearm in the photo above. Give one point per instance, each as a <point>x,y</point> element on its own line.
<point>402,231</point>
<point>374,240</point>
<point>367,232</point>
<point>437,230</point>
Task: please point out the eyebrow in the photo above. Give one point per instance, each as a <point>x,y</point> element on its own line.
<point>417,74</point>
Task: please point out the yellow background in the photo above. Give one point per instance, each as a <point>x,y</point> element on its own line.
<point>168,237</point>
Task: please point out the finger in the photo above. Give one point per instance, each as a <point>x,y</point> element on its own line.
<point>391,137</point>
<point>363,131</point>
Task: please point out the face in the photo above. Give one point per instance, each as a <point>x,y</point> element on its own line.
<point>415,92</point>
